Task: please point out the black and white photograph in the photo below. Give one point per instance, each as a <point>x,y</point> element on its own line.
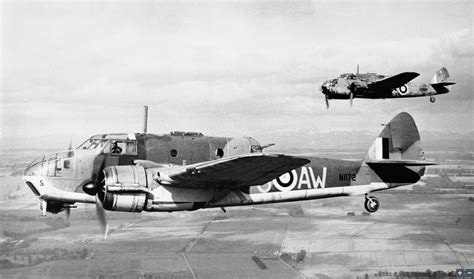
<point>236,139</point>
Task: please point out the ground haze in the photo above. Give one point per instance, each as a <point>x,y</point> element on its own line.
<point>419,229</point>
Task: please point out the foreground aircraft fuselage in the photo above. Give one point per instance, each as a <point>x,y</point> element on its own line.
<point>189,171</point>
<point>374,86</point>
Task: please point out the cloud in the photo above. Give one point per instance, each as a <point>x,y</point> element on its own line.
<point>242,67</point>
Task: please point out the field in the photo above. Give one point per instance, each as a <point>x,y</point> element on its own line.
<point>411,232</point>
<point>424,228</point>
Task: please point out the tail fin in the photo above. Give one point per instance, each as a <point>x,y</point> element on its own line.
<point>441,78</point>
<point>396,155</point>
<point>399,140</point>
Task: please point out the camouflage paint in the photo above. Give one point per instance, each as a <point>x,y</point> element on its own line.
<point>366,86</point>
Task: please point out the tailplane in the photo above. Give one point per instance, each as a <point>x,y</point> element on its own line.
<point>396,155</point>
<point>441,78</point>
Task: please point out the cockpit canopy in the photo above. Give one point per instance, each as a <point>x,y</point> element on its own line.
<point>348,76</point>
<point>62,163</point>
<point>111,143</point>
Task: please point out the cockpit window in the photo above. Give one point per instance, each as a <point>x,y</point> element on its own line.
<point>348,76</point>
<point>131,148</point>
<point>122,147</point>
<point>116,147</point>
<point>102,142</point>
<point>93,144</point>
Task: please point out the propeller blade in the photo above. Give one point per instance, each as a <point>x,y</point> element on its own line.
<point>43,205</point>
<point>352,97</point>
<point>101,216</point>
<point>68,213</point>
<point>327,101</point>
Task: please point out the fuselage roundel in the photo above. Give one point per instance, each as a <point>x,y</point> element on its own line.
<point>320,173</point>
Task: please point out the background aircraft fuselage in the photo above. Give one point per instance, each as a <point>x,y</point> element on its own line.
<point>374,86</point>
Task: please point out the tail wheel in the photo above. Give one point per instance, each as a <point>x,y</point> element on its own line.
<point>432,99</point>
<point>371,204</point>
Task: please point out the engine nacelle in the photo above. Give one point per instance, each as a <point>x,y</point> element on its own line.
<point>357,87</point>
<point>130,202</point>
<point>125,188</point>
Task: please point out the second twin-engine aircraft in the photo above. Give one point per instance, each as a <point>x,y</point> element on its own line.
<point>374,86</point>
<point>190,171</point>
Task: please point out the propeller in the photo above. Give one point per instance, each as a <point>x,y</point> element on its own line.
<point>101,216</point>
<point>322,89</point>
<point>68,213</point>
<point>98,192</point>
<point>351,96</point>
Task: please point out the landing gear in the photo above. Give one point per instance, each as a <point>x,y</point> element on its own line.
<point>371,203</point>
<point>432,99</point>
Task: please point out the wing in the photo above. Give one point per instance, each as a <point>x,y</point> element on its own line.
<point>394,81</point>
<point>235,172</point>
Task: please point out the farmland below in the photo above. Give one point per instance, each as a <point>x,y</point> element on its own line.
<point>422,229</point>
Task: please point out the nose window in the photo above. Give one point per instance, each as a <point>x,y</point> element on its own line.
<point>53,164</point>
<point>67,164</point>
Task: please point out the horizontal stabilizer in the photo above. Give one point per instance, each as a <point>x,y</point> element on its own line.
<point>398,171</point>
<point>443,83</point>
<point>406,163</point>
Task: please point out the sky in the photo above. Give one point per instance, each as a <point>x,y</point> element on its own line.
<point>76,68</point>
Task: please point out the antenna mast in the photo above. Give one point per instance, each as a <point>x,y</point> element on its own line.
<point>145,119</point>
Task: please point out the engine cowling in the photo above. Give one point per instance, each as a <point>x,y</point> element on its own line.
<point>357,87</point>
<point>125,188</point>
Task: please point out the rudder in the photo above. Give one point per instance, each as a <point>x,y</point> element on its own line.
<point>441,78</point>
<point>399,140</point>
<point>396,156</point>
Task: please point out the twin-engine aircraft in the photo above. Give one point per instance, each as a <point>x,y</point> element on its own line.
<point>374,86</point>
<point>190,171</point>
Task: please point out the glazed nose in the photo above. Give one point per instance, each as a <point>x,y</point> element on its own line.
<point>324,87</point>
<point>53,164</point>
<point>41,166</point>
